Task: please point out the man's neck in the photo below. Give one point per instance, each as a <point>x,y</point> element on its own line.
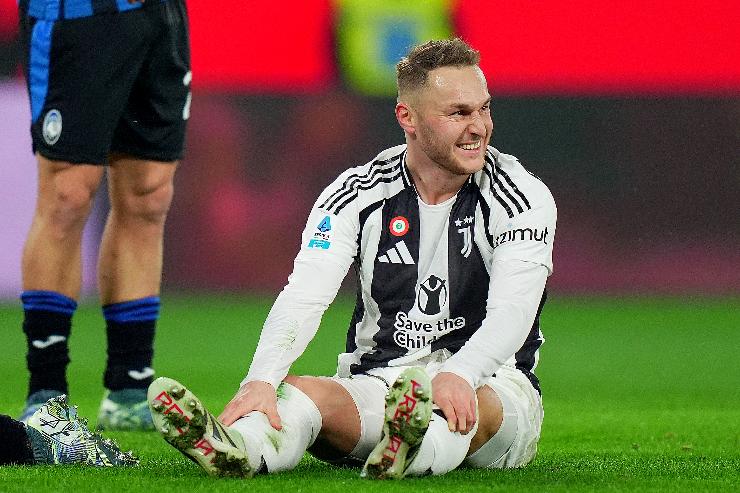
<point>433,183</point>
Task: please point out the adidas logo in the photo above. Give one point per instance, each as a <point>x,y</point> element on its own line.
<point>399,254</point>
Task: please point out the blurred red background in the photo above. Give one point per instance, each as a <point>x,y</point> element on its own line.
<point>629,111</point>
<point>542,47</point>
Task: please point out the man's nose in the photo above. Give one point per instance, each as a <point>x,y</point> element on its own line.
<point>478,123</point>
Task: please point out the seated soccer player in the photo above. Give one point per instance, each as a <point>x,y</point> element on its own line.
<point>452,243</point>
<point>55,434</point>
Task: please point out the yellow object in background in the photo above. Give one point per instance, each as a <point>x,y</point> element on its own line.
<point>373,35</point>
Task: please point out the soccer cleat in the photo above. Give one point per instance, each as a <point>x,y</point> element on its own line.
<point>59,436</point>
<point>187,425</point>
<point>124,410</point>
<point>35,401</point>
<point>408,409</point>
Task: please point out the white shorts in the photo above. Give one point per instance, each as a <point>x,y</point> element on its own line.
<point>515,444</point>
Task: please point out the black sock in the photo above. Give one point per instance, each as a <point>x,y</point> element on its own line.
<point>130,328</point>
<point>47,323</point>
<point>15,446</point>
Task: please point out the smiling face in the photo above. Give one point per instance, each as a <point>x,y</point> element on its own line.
<point>448,120</point>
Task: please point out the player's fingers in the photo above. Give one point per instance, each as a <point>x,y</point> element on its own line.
<point>449,412</point>
<point>274,418</point>
<point>229,414</point>
<point>235,409</point>
<point>462,423</point>
<point>471,417</point>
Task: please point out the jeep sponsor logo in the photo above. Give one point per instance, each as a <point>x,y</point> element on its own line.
<point>522,234</point>
<point>415,334</point>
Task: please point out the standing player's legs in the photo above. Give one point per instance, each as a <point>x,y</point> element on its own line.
<point>51,268</point>
<point>146,145</point>
<point>130,96</point>
<point>129,276</point>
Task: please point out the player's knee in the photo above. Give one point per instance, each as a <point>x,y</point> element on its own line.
<point>341,421</point>
<point>490,416</point>
<point>66,208</point>
<point>147,205</point>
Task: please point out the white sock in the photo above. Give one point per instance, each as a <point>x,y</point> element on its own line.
<point>281,450</point>
<point>441,450</point>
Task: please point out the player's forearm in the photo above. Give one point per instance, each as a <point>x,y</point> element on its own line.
<point>285,336</point>
<point>511,310</point>
<point>294,318</point>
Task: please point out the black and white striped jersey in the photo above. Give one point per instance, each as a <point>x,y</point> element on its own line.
<point>462,281</point>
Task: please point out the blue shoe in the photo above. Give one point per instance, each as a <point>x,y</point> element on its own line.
<point>59,436</point>
<point>125,410</point>
<point>35,401</point>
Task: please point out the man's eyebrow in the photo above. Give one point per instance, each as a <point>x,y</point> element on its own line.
<point>465,106</point>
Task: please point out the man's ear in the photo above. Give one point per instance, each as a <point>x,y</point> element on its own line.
<point>405,118</point>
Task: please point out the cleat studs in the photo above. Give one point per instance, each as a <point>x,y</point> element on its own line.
<point>192,403</point>
<point>165,429</point>
<point>158,406</point>
<point>419,392</point>
<point>177,392</point>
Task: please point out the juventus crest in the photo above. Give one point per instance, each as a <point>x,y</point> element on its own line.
<point>467,231</point>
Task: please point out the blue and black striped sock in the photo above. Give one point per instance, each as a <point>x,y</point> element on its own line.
<point>130,327</point>
<point>47,323</point>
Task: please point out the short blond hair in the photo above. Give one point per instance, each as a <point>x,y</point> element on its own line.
<point>413,70</point>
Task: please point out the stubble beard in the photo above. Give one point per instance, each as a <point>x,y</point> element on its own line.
<point>444,156</point>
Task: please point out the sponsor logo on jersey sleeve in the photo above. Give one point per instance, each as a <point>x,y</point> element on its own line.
<point>322,236</point>
<point>522,234</point>
<point>325,225</point>
<point>319,244</point>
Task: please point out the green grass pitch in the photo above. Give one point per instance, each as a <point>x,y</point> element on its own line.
<point>640,395</point>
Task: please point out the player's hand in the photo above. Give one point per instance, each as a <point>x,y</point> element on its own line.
<point>456,399</point>
<point>253,396</point>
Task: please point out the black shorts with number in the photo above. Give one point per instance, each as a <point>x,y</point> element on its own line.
<point>116,82</point>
